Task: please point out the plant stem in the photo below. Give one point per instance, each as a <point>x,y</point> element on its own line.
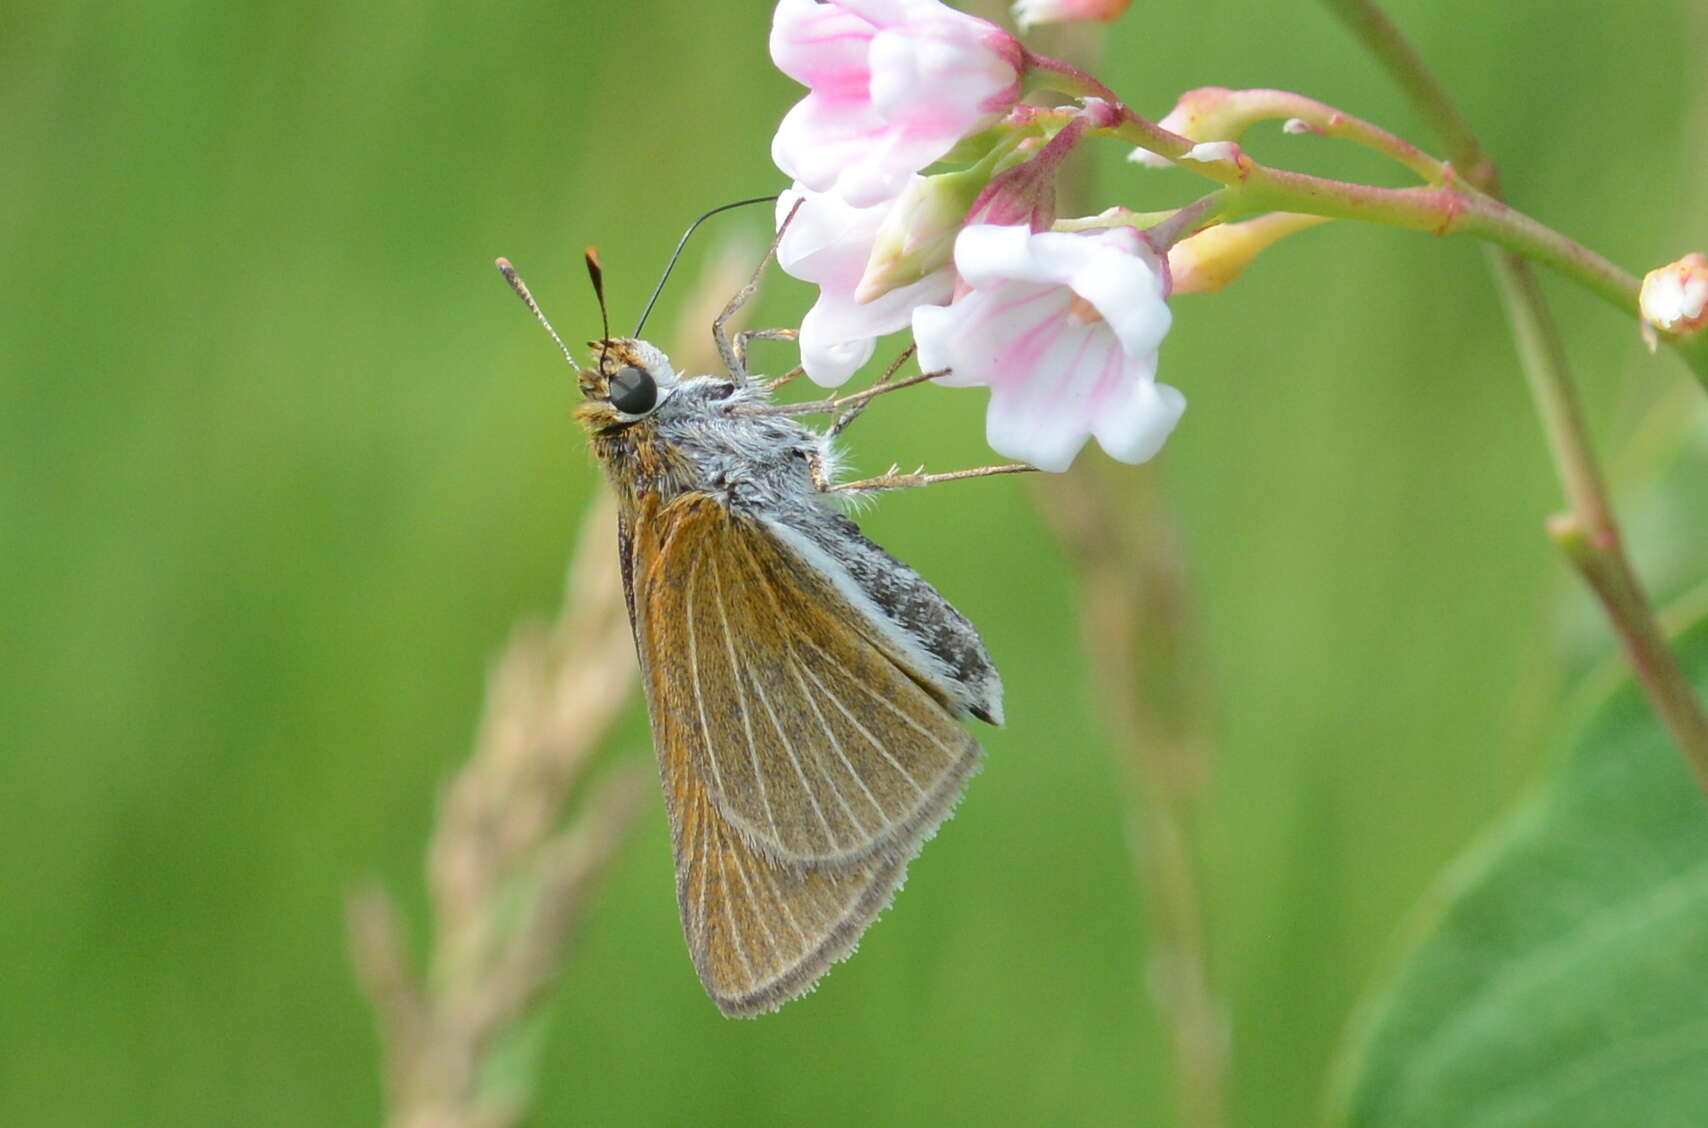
<point>1589,533</point>
<point>1466,203</point>
<point>1446,210</point>
<point>1222,113</point>
<point>1608,574</point>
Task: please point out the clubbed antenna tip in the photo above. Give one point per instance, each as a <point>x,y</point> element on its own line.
<point>527,297</point>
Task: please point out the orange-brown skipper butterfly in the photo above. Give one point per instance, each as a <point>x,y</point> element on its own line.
<point>806,688</point>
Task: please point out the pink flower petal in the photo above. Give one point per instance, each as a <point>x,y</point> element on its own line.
<point>894,84</point>
<point>821,143</point>
<point>935,81</point>
<point>821,45</point>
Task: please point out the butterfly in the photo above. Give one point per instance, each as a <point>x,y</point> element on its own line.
<point>806,689</point>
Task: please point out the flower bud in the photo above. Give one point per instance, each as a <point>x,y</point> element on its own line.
<point>1025,195</point>
<point>1030,12</point>
<point>1675,297</point>
<point>1215,257</point>
<point>917,235</point>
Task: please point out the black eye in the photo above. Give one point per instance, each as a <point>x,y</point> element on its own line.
<point>633,391</point>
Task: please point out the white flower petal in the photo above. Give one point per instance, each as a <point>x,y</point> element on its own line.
<point>837,321</point>
<point>1118,286</point>
<point>987,254</point>
<point>828,241</point>
<point>829,357</point>
<point>934,329</point>
<point>1133,427</point>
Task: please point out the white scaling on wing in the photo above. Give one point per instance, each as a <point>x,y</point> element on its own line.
<point>770,876</point>
<point>923,660</point>
<point>764,924</point>
<point>876,743</point>
<point>891,706</point>
<point>798,667</point>
<point>703,867</point>
<point>783,742</point>
<point>694,669</point>
<point>735,930</point>
<point>818,761</point>
<point>738,674</point>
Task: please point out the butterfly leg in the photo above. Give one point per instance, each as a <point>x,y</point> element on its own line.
<point>853,413</point>
<point>894,480</point>
<point>743,338</point>
<point>841,405</point>
<point>785,378</point>
<point>734,361</point>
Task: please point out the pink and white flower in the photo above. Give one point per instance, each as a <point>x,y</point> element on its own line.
<point>1064,329</point>
<point>894,84</point>
<point>829,242</point>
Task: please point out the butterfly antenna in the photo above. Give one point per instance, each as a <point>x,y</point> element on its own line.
<point>596,272</point>
<point>522,292</point>
<point>683,242</point>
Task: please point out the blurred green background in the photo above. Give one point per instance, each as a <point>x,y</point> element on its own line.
<point>282,462</point>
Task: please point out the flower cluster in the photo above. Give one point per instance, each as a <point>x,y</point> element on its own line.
<point>924,197</point>
<point>1063,328</point>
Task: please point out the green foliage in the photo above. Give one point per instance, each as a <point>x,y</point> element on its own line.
<point>1563,983</point>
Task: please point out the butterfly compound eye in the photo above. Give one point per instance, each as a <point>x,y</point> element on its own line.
<point>633,390</point>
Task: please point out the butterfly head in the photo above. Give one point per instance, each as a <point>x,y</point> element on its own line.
<point>629,380</point>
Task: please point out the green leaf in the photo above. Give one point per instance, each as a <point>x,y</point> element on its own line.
<point>1565,978</point>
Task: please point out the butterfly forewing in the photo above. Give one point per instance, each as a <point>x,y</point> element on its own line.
<point>816,743</point>
<point>803,758</point>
